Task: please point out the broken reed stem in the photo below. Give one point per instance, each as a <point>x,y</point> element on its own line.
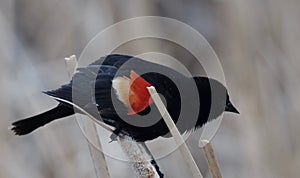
<point>175,133</point>
<point>98,157</point>
<point>71,63</point>
<point>211,159</point>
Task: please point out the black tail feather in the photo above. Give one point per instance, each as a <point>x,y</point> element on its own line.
<point>25,126</point>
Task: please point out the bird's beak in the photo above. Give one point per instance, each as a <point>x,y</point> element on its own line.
<point>230,108</point>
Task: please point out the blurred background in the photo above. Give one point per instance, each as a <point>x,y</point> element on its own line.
<point>257,43</point>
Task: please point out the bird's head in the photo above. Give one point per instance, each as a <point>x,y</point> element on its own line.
<point>214,97</point>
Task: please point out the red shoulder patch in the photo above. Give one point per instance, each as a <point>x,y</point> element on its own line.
<point>139,98</point>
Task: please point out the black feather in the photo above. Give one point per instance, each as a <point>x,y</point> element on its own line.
<point>28,125</point>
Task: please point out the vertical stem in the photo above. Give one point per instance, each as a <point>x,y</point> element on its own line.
<point>138,157</point>
<point>98,157</point>
<point>175,133</point>
<point>211,159</point>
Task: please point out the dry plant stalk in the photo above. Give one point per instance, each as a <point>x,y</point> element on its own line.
<point>175,133</point>
<point>71,64</point>
<point>211,159</point>
<point>138,157</point>
<point>98,157</point>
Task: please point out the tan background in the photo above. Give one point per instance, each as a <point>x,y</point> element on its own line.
<point>256,41</point>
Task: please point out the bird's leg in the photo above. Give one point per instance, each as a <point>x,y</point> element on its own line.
<point>153,162</point>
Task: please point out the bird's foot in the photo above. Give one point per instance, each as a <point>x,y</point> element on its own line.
<point>114,135</point>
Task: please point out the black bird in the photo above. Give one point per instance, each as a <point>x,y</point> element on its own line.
<point>113,90</point>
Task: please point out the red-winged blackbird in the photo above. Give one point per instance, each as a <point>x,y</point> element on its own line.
<point>114,87</point>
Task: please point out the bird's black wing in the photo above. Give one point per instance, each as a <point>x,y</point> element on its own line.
<point>81,89</point>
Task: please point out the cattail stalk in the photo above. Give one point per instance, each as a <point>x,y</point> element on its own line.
<point>138,157</point>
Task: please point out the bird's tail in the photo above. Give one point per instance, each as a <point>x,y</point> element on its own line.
<point>25,126</point>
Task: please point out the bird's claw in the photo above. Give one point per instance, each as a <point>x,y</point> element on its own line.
<point>113,137</point>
